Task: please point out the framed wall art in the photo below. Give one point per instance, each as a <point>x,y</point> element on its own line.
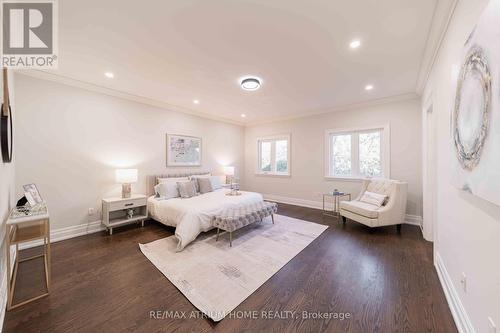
<point>183,151</point>
<point>475,117</point>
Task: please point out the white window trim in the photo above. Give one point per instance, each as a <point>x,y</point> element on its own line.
<point>258,171</point>
<point>385,150</point>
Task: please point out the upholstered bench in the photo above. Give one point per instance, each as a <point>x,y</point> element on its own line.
<point>234,219</point>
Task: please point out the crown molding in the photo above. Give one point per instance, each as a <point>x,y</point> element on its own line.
<point>39,74</point>
<point>443,13</point>
<point>368,104</point>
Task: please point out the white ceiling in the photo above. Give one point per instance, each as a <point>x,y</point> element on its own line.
<point>174,51</point>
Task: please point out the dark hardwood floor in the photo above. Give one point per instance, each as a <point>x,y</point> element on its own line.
<point>385,281</point>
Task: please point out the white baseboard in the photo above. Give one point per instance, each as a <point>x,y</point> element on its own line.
<point>409,219</point>
<point>464,325</point>
<point>414,220</point>
<point>295,201</point>
<point>60,234</point>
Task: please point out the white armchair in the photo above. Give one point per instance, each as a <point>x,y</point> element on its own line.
<point>392,213</point>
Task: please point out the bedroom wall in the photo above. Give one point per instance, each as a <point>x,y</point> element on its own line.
<point>7,201</point>
<point>70,141</point>
<point>468,228</point>
<point>307,181</point>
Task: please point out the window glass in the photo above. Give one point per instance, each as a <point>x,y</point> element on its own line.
<point>370,163</point>
<point>265,156</point>
<point>341,163</point>
<point>357,154</point>
<point>282,156</point>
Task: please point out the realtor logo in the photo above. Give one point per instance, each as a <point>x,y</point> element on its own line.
<point>29,34</point>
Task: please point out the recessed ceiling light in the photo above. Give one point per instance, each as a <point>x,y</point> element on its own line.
<point>355,44</point>
<point>250,83</point>
<point>195,101</point>
<point>369,87</point>
<point>109,75</point>
<point>243,115</point>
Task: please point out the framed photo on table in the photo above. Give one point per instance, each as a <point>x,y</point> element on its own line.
<point>32,195</point>
<point>183,151</point>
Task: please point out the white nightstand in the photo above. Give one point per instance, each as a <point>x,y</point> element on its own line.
<point>114,211</point>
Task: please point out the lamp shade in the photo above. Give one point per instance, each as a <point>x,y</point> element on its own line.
<point>229,170</point>
<point>126,176</point>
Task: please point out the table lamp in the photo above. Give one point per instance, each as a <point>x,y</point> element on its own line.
<point>229,172</point>
<point>126,177</point>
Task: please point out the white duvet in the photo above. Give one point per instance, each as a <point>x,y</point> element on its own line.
<point>194,215</point>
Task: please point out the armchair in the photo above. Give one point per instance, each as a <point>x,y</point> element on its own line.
<point>392,213</point>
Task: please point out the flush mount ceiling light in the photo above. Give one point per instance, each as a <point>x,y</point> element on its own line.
<point>355,44</point>
<point>369,87</point>
<point>195,101</point>
<point>250,83</point>
<point>109,75</point>
<point>243,115</point>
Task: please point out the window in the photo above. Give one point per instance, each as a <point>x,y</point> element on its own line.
<point>274,155</point>
<point>357,153</point>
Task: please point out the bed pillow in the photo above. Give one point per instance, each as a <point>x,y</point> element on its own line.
<point>373,198</point>
<point>205,185</point>
<point>187,189</point>
<point>167,190</point>
<point>215,182</point>
<point>195,177</point>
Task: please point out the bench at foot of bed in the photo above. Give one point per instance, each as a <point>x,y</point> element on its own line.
<point>235,219</point>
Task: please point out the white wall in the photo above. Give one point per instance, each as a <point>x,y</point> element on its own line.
<point>70,141</point>
<point>467,232</point>
<point>7,200</point>
<point>307,181</point>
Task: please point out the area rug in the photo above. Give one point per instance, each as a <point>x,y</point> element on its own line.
<point>216,278</point>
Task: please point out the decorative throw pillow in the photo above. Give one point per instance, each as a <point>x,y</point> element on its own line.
<point>186,189</point>
<point>195,177</point>
<point>167,190</point>
<point>205,185</point>
<point>373,198</point>
<point>215,182</point>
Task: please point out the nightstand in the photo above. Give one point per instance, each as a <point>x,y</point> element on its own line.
<point>120,211</point>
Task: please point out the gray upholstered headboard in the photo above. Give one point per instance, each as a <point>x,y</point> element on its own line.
<point>153,179</point>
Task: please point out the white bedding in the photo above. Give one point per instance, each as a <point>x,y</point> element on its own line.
<point>193,215</point>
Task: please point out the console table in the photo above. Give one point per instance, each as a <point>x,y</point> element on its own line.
<point>26,229</point>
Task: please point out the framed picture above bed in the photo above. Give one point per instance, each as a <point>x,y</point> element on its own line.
<point>183,151</point>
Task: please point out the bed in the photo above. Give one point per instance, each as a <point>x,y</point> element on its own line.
<point>194,215</point>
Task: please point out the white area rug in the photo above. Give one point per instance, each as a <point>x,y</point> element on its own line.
<point>216,278</point>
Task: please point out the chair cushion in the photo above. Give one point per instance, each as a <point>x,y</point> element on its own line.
<point>360,208</point>
<point>372,198</point>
